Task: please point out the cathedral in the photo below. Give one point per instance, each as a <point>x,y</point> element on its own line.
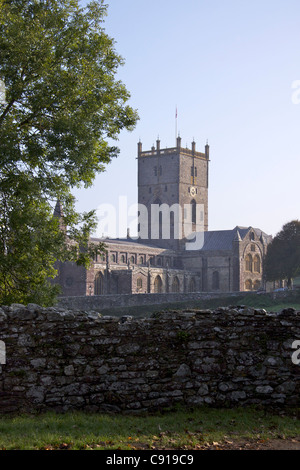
<point>174,250</point>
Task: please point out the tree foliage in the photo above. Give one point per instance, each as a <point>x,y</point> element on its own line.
<point>283,256</point>
<point>62,107</point>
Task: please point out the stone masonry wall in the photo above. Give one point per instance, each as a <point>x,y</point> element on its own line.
<point>65,360</point>
<point>101,302</point>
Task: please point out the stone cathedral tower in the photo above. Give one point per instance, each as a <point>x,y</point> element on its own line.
<point>172,179</point>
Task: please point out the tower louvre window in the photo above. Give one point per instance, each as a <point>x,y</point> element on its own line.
<point>194,207</point>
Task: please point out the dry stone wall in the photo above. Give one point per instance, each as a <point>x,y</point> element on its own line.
<point>65,360</point>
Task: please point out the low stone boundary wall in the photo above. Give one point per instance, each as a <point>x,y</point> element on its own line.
<point>71,360</point>
<point>102,302</point>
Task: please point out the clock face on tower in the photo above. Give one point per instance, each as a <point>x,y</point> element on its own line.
<point>193,191</point>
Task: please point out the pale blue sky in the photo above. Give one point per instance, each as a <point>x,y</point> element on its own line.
<point>228,66</point>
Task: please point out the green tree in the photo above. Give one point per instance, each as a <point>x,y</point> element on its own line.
<point>60,116</point>
<point>283,256</point>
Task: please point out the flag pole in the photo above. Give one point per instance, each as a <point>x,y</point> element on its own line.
<point>176,125</point>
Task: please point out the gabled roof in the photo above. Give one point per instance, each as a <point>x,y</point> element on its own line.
<point>219,240</point>
<point>223,239</point>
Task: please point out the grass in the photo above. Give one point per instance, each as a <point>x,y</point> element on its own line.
<point>267,301</point>
<point>182,429</point>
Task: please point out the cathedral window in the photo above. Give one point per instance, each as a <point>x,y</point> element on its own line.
<point>256,285</point>
<point>248,285</point>
<point>139,283</point>
<point>257,264</point>
<point>248,263</point>
<point>158,285</point>
<point>175,285</point>
<point>98,284</point>
<point>192,285</point>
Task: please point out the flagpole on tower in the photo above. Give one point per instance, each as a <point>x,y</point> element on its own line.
<point>176,123</point>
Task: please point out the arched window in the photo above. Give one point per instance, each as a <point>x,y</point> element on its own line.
<point>139,284</point>
<point>123,259</point>
<point>248,285</point>
<point>158,223</point>
<point>175,285</point>
<point>248,263</point>
<point>159,261</point>
<point>132,259</point>
<point>192,285</point>
<point>256,285</point>
<point>257,264</point>
<point>98,284</point>
<point>141,260</point>
<point>158,285</point>
<point>113,258</point>
<point>215,280</point>
<point>194,206</point>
